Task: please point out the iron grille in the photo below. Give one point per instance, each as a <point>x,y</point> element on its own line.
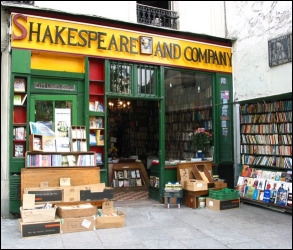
<point>156,16</point>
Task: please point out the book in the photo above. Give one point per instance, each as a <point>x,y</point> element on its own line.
<point>18,150</point>
<point>62,144</point>
<point>93,139</point>
<point>71,160</point>
<point>19,85</point>
<point>91,106</point>
<point>64,162</point>
<point>261,184</point>
<point>245,171</point>
<point>289,198</point>
<point>99,122</point>
<point>20,133</point>
<point>37,143</point>
<point>17,100</point>
<point>99,158</point>
<point>138,182</point>
<point>98,106</point>
<point>99,138</point>
<point>49,144</point>
<point>92,121</point>
<point>46,160</point>
<point>23,99</point>
<point>282,197</point>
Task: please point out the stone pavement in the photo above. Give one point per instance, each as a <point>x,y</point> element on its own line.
<point>151,225</point>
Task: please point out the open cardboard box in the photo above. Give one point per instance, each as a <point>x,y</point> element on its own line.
<point>200,172</point>
<point>35,213</point>
<point>189,183</point>
<point>108,217</point>
<point>76,211</point>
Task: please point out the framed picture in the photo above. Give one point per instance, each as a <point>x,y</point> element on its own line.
<point>280,50</point>
<point>146,45</point>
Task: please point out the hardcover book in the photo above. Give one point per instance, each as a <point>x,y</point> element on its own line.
<point>18,150</point>
<point>19,85</point>
<point>282,197</point>
<point>46,160</point>
<point>17,100</point>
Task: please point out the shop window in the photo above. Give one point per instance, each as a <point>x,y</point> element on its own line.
<point>188,106</point>
<point>146,82</point>
<point>120,78</point>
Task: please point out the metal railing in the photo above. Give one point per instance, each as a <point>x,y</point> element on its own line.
<point>156,16</point>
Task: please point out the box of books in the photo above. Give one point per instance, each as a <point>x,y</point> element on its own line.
<point>218,205</point>
<point>45,194</point>
<point>76,211</point>
<point>81,224</point>
<point>29,229</point>
<point>108,217</point>
<point>36,213</point>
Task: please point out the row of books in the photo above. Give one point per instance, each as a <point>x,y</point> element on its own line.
<point>266,190</point>
<point>127,182</point>
<point>266,174</point>
<point>270,161</point>
<point>267,118</point>
<point>267,149</point>
<point>127,174</point>
<point>79,145</point>
<point>267,128</point>
<point>96,138</point>
<point>267,139</point>
<point>266,107</point>
<point>78,133</point>
<point>96,122</point>
<point>96,106</point>
<point>58,160</point>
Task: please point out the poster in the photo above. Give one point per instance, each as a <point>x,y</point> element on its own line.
<point>63,122</point>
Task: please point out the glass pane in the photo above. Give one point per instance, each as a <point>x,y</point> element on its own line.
<point>146,83</point>
<point>120,78</point>
<point>188,103</point>
<point>44,111</point>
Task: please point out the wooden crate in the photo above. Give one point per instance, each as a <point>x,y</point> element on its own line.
<point>32,177</point>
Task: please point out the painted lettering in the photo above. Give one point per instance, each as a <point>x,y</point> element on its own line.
<point>47,34</point>
<point>100,40</point>
<point>71,36</point>
<point>113,42</point>
<point>58,35</point>
<point>82,38</point>
<point>20,26</point>
<point>133,43</point>
<point>37,31</point>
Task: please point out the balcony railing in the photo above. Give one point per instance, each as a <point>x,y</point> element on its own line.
<point>156,16</point>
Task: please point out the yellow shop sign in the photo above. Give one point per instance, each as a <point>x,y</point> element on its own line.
<point>30,32</point>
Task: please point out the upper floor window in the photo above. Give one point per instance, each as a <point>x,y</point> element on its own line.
<point>157,13</point>
<point>133,79</point>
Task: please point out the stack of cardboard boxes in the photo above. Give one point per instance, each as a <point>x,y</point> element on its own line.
<point>67,209</point>
<point>197,182</point>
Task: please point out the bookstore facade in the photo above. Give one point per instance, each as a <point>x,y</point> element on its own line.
<point>112,90</point>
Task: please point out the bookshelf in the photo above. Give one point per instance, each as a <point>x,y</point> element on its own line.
<point>19,116</point>
<point>78,139</point>
<point>129,176</point>
<point>266,147</point>
<point>96,109</point>
<point>35,159</point>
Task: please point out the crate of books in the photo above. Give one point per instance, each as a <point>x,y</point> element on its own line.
<point>223,194</point>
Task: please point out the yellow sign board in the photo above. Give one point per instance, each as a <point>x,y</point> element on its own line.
<point>52,35</point>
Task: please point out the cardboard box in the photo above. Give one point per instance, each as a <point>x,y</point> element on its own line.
<point>91,195</point>
<point>35,213</point>
<point>81,224</point>
<point>45,195</point>
<point>220,184</point>
<point>73,193</point>
<point>38,214</point>
<point>200,172</point>
<point>173,200</point>
<point>76,211</point>
<point>218,205</point>
<point>190,198</point>
<point>194,185</point>
<point>108,221</point>
<point>39,228</point>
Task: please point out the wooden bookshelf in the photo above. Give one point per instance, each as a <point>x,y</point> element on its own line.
<point>78,139</point>
<point>266,149</point>
<point>131,173</point>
